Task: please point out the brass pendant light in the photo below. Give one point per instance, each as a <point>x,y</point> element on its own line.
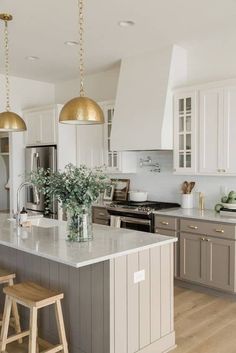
<point>9,121</point>
<point>81,110</point>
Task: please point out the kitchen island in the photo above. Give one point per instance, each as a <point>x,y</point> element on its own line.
<point>118,287</point>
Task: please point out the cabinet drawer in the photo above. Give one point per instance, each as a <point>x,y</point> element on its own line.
<point>168,232</point>
<point>222,230</point>
<point>165,222</point>
<point>100,212</point>
<point>105,222</point>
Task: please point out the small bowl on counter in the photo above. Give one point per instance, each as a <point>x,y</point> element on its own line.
<point>138,196</point>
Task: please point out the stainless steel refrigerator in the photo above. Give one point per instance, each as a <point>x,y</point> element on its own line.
<point>40,157</point>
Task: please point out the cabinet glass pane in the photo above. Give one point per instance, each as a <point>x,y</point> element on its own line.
<point>181,160</point>
<point>188,160</point>
<point>109,160</point>
<point>181,142</point>
<point>181,123</point>
<point>188,123</point>
<point>115,160</point>
<point>181,105</point>
<point>188,104</point>
<point>110,115</point>
<point>109,130</point>
<point>188,142</point>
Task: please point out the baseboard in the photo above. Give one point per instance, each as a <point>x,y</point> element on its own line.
<point>205,289</point>
<point>163,345</point>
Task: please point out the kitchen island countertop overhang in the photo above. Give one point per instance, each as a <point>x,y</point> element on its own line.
<point>47,238</point>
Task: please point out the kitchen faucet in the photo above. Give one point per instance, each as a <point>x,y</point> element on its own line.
<point>18,199</point>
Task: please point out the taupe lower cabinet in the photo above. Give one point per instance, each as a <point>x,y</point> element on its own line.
<point>169,226</point>
<point>101,216</point>
<point>207,253</point>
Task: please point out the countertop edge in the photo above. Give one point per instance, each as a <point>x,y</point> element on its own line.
<point>206,215</point>
<point>169,240</point>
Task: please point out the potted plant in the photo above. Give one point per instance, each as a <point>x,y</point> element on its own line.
<point>76,189</point>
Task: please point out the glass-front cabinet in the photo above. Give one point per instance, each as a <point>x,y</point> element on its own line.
<point>112,158</point>
<point>185,132</point>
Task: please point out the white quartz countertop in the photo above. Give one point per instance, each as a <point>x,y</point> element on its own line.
<point>206,215</point>
<point>47,238</point>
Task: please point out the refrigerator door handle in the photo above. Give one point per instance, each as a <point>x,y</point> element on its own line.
<point>36,166</point>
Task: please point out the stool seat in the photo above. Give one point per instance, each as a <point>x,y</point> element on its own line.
<point>33,295</point>
<point>6,275</point>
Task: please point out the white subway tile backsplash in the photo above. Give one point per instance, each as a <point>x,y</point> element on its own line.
<point>165,186</point>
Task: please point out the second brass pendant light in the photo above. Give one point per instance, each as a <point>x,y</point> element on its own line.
<point>81,110</point>
<point>9,121</point>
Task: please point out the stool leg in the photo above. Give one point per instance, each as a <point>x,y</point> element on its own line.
<point>33,330</point>
<point>6,321</point>
<point>60,326</point>
<point>15,314</point>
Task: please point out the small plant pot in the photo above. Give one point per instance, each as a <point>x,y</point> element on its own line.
<point>187,201</point>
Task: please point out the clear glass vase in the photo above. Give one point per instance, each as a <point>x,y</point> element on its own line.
<point>79,225</point>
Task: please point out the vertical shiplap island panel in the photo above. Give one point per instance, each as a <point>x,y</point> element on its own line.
<point>143,316</point>
<point>155,287</point>
<point>144,300</point>
<point>132,304</point>
<point>104,310</point>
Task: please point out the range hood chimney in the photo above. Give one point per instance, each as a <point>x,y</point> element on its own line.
<point>143,118</point>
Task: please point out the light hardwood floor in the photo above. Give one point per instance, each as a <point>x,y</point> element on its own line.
<point>203,323</point>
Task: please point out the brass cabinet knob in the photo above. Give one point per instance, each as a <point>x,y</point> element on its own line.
<point>203,239</point>
<point>165,223</point>
<point>193,227</point>
<point>219,230</point>
<point>208,239</point>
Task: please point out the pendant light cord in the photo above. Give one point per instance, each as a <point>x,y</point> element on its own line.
<point>81,46</point>
<point>7,82</point>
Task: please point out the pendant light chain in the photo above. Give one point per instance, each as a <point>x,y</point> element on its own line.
<point>81,46</point>
<point>7,83</point>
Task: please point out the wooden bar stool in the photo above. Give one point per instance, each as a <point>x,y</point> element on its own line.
<point>33,297</point>
<point>7,278</point>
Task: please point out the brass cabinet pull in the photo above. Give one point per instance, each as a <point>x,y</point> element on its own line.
<point>193,227</point>
<point>208,239</point>
<point>101,214</point>
<point>203,239</point>
<point>165,223</point>
<point>219,230</point>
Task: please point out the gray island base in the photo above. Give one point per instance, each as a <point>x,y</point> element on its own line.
<point>117,301</point>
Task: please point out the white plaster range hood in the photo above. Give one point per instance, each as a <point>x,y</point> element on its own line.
<point>143,117</point>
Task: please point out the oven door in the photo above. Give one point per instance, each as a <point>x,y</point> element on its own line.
<point>143,225</point>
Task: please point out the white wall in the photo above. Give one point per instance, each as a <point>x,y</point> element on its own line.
<point>100,87</point>
<point>24,94</point>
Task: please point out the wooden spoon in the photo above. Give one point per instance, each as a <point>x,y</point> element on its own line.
<point>185,187</point>
<point>191,186</point>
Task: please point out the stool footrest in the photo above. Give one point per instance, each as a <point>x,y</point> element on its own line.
<point>55,349</point>
<point>17,336</point>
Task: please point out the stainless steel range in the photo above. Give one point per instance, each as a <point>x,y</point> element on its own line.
<point>137,215</point>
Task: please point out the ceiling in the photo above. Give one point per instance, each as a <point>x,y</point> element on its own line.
<point>41,27</point>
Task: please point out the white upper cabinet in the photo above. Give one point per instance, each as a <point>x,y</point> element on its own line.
<point>41,126</point>
<point>212,144</point>
<point>185,152</point>
<point>90,151</point>
<point>229,159</point>
<point>211,116</point>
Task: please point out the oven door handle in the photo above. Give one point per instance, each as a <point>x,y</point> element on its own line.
<point>135,220</point>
